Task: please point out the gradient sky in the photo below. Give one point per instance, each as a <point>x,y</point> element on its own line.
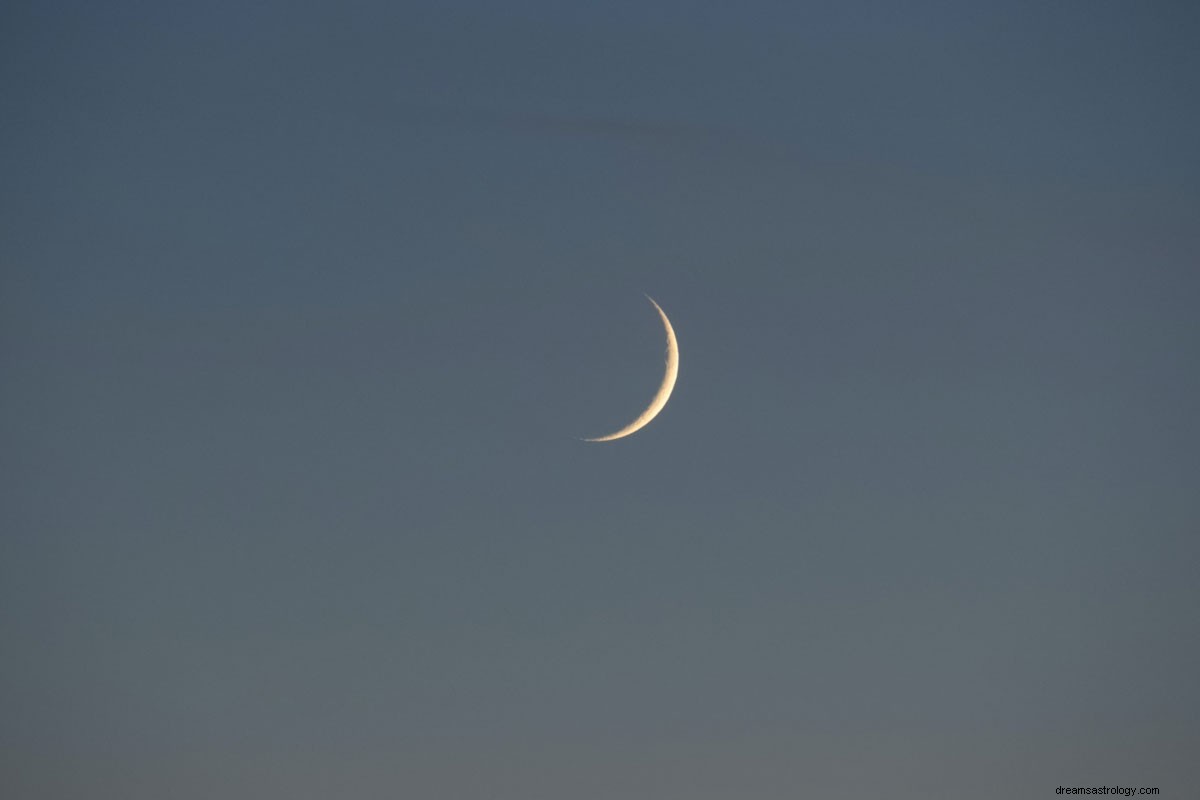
<point>304,307</point>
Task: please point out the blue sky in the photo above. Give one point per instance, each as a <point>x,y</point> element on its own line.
<point>304,309</point>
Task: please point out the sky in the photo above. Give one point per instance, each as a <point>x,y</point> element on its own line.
<point>305,309</point>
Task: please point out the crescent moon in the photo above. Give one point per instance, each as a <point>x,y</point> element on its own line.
<point>664,391</point>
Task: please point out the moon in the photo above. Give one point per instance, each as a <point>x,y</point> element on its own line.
<point>664,390</point>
